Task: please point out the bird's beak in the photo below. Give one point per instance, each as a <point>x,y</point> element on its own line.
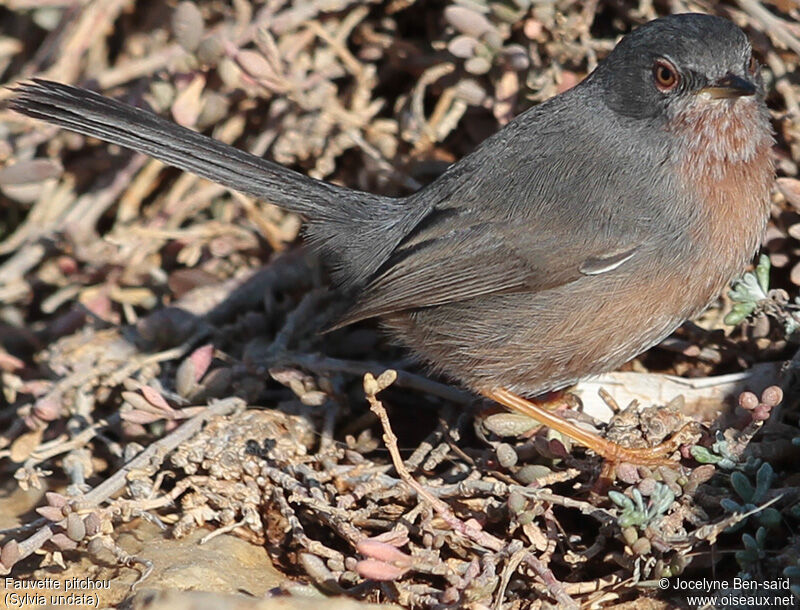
<point>728,87</point>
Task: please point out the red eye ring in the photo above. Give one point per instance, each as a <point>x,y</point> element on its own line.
<point>665,75</point>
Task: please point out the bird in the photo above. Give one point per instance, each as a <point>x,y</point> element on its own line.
<point>579,235</point>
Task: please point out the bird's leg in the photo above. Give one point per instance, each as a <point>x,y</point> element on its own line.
<point>648,456</point>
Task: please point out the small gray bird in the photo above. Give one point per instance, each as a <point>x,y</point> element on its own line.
<point>579,235</point>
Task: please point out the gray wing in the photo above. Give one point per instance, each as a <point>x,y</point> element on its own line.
<point>433,268</point>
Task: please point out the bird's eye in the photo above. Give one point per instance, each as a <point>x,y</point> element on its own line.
<point>752,67</point>
<point>665,75</point>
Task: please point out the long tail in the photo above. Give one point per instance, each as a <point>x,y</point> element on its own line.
<point>341,220</point>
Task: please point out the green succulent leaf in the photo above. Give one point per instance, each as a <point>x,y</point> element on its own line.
<point>762,273</point>
<point>621,500</point>
<point>770,518</point>
<point>747,289</point>
<point>739,313</point>
<point>743,487</point>
<point>792,571</point>
<point>662,499</point>
<point>750,543</point>
<point>731,506</point>
<point>764,478</point>
<point>704,456</point>
<point>761,537</point>
<point>632,518</point>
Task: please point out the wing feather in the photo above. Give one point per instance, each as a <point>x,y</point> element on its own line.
<point>475,261</point>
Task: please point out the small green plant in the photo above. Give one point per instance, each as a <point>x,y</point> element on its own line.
<point>635,512</point>
<point>749,292</point>
<point>751,496</point>
<point>754,550</point>
<point>719,454</point>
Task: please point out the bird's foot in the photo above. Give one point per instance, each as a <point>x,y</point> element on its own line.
<point>660,455</point>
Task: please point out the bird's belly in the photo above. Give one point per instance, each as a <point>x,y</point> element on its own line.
<point>530,343</point>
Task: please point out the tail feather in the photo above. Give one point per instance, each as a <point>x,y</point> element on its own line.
<point>356,230</point>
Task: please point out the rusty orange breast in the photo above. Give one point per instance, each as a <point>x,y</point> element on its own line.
<point>726,162</point>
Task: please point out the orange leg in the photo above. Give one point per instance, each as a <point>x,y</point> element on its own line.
<point>648,456</point>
